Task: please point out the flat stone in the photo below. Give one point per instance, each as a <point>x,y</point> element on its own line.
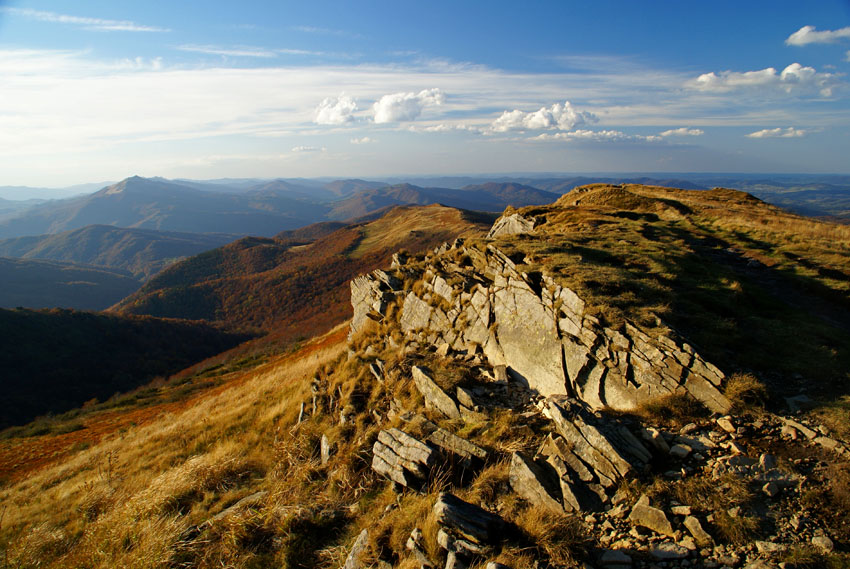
<point>456,445</point>
<point>828,442</point>
<point>651,518</point>
<point>435,398</point>
<point>807,432</point>
<point>680,451</point>
<point>726,424</point>
<point>668,551</point>
<point>800,403</point>
<point>770,548</point>
<point>464,397</point>
<point>767,461</point>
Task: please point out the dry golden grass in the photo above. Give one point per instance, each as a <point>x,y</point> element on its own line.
<point>127,501</point>
<point>745,391</point>
<point>675,409</point>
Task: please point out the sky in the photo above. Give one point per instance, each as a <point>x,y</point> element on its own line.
<point>102,90</point>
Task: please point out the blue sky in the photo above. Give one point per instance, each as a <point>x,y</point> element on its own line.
<point>102,90</point>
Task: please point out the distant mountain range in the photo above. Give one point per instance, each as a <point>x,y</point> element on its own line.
<point>266,207</point>
<point>141,252</point>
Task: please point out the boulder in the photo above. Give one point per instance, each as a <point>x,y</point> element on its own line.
<point>467,520</point>
<point>511,225</point>
<point>530,481</point>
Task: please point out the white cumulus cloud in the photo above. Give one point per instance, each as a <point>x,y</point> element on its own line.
<point>793,77</point>
<point>789,132</point>
<point>808,34</point>
<point>308,149</point>
<point>556,117</point>
<point>363,140</point>
<point>335,110</point>
<point>683,131</point>
<point>399,107</point>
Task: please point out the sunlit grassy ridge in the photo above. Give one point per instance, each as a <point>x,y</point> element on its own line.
<point>753,287</point>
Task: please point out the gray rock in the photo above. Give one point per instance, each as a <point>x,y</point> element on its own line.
<point>651,518</point>
<point>360,545</point>
<point>767,462</point>
<point>468,520</point>
<point>557,446</point>
<point>369,297</point>
<point>530,481</point>
<point>770,548</point>
<point>693,525</point>
<point>435,398</point>
<point>528,335</point>
<point>726,424</point>
<point>325,449</point>
<point>456,445</point>
<point>464,397</point>
<point>251,501</point>
<point>823,543</point>
<point>599,449</point>
<point>654,437</point>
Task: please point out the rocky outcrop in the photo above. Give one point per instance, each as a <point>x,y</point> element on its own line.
<point>370,295</point>
<point>536,327</point>
<point>402,458</point>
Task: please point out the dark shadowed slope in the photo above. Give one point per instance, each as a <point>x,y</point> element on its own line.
<point>56,360</point>
<point>48,284</point>
<point>142,252</point>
